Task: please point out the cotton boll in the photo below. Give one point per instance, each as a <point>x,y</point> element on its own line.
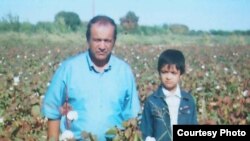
<point>16,80</point>
<point>148,138</point>
<point>72,115</point>
<point>245,93</point>
<point>199,89</point>
<point>67,134</point>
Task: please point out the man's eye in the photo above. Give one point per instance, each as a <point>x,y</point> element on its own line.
<point>108,41</point>
<point>104,40</point>
<point>95,40</point>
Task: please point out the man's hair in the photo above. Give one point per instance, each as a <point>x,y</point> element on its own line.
<point>102,20</point>
<point>172,57</point>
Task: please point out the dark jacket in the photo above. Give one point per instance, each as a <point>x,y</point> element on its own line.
<point>155,120</point>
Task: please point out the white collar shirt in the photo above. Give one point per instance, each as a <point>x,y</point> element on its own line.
<point>173,101</point>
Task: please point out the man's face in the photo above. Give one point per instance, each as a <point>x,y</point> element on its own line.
<point>101,42</point>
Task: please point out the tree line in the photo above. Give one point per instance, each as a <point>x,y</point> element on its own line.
<point>65,22</point>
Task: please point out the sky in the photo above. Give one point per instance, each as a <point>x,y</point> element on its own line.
<point>203,15</point>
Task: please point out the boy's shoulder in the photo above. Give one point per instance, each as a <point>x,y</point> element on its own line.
<point>184,92</point>
<point>156,94</point>
<point>187,95</point>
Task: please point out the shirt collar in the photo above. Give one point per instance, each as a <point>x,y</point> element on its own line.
<point>91,64</point>
<point>177,92</point>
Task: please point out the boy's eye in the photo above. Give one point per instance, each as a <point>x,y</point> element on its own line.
<point>163,71</point>
<point>172,72</point>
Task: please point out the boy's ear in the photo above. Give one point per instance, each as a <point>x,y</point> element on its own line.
<point>159,76</point>
<point>181,76</point>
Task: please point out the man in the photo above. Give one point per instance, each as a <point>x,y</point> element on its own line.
<point>95,84</point>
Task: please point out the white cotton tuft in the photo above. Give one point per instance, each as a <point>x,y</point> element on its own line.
<point>148,138</point>
<point>72,115</point>
<point>67,134</point>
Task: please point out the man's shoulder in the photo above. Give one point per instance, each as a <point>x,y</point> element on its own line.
<point>119,61</point>
<point>75,59</point>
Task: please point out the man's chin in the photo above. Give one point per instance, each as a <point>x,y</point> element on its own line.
<point>101,57</point>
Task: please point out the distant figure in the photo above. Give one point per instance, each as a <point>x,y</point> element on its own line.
<point>92,91</point>
<point>168,105</point>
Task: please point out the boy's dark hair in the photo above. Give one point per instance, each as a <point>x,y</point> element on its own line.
<point>101,19</point>
<point>172,57</point>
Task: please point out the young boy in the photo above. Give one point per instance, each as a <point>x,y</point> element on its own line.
<point>168,105</point>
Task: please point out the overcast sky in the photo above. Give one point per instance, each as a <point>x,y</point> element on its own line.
<point>196,14</point>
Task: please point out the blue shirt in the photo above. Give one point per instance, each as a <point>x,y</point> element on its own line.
<point>102,100</point>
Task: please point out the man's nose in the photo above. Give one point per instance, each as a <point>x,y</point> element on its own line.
<point>102,44</point>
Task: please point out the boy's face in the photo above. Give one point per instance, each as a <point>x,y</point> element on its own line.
<point>170,77</point>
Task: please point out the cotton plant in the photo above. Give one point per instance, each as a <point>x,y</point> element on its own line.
<point>128,132</point>
<point>71,115</point>
<point>68,134</point>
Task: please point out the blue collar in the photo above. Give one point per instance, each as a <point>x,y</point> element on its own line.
<point>91,64</point>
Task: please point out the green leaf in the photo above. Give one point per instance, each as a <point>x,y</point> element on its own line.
<point>111,131</point>
<point>35,111</point>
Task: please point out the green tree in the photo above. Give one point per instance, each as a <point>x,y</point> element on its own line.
<point>27,27</point>
<point>70,19</point>
<point>179,29</point>
<point>10,23</point>
<point>129,22</point>
<point>45,26</point>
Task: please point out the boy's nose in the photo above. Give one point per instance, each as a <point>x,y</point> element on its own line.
<point>168,76</point>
